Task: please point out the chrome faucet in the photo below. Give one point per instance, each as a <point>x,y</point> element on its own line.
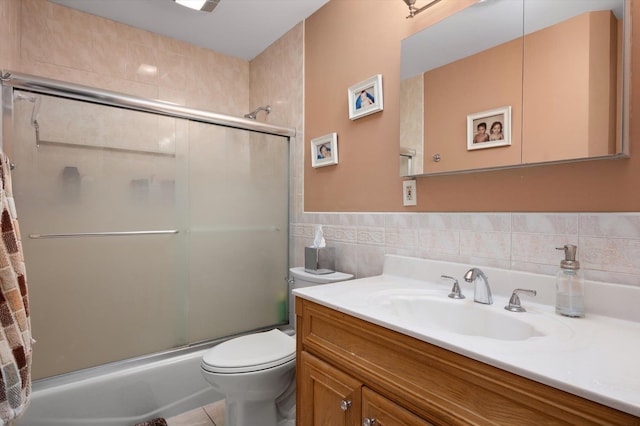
<point>482,293</point>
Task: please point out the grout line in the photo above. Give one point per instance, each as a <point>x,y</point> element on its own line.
<point>207,414</point>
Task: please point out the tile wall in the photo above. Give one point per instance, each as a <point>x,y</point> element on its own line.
<point>64,44</point>
<point>608,243</point>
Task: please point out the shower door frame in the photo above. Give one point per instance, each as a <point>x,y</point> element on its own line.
<point>52,87</point>
<point>11,81</point>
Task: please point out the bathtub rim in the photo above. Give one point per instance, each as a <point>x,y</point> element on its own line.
<point>124,366</point>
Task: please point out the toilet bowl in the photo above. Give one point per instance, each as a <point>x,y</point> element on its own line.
<point>256,372</point>
<point>251,371</point>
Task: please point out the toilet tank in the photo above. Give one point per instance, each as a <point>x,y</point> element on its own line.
<point>298,278</point>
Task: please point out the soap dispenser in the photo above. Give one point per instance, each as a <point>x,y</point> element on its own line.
<point>570,284</point>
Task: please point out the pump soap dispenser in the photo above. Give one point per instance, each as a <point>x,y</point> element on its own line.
<point>570,284</point>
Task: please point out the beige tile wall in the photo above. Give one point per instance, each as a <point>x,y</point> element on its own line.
<point>412,119</point>
<point>608,243</point>
<point>277,79</point>
<point>9,30</point>
<point>64,44</point>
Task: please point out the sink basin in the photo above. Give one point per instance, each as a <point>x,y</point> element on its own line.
<point>461,317</point>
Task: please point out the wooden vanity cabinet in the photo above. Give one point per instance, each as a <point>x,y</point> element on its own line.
<point>349,370</point>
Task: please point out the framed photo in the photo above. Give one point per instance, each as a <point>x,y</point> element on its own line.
<point>324,150</point>
<point>409,196</point>
<point>489,129</point>
<point>365,97</point>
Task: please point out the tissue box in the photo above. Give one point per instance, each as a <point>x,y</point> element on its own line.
<point>320,260</point>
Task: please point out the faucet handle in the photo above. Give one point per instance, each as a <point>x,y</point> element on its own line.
<point>514,301</point>
<point>456,293</point>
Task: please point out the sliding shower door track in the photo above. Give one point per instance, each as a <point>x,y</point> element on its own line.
<point>103,234</point>
<point>63,89</point>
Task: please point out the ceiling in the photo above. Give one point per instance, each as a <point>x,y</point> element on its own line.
<point>240,28</point>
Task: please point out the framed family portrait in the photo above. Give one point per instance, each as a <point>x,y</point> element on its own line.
<point>489,129</point>
<point>324,150</point>
<point>365,97</point>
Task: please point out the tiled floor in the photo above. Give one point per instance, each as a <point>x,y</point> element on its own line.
<point>213,415</point>
<point>209,415</point>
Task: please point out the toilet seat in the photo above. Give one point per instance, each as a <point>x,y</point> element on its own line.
<point>254,352</point>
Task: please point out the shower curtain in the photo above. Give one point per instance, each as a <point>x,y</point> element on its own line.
<point>15,330</point>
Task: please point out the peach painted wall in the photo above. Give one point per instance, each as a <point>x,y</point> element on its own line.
<point>570,89</point>
<point>347,43</point>
<point>481,82</point>
<point>569,95</point>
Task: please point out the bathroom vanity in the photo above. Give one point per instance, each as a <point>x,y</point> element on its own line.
<point>360,361</point>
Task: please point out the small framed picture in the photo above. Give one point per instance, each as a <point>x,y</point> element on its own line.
<point>365,97</point>
<point>489,129</point>
<point>324,150</point>
<point>409,196</point>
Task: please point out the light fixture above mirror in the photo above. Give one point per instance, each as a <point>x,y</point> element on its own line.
<point>203,5</point>
<point>413,10</point>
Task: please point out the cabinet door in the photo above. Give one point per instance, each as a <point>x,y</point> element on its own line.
<point>379,411</point>
<point>327,396</point>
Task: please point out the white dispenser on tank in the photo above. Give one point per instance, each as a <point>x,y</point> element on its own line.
<point>569,284</point>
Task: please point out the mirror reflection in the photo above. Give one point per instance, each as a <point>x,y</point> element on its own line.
<point>487,89</point>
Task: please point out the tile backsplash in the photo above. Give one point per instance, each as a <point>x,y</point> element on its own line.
<point>608,243</point>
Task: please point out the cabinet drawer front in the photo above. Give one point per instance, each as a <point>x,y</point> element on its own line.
<point>387,413</point>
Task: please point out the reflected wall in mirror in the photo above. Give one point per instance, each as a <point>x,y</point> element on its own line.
<point>559,65</point>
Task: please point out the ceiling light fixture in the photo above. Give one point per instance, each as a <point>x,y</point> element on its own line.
<point>413,11</point>
<point>203,5</point>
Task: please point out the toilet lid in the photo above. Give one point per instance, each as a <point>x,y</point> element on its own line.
<point>253,352</point>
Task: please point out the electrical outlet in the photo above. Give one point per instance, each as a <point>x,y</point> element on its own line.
<point>409,194</point>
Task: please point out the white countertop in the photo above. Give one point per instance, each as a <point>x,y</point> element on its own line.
<point>595,357</point>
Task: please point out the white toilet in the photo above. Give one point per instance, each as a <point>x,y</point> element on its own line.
<point>255,370</point>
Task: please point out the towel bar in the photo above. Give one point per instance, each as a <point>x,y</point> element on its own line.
<point>103,234</point>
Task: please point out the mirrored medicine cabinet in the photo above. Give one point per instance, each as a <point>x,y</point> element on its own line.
<point>513,83</point>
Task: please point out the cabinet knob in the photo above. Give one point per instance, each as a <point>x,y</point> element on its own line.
<point>436,158</point>
<point>369,422</point>
<point>345,404</point>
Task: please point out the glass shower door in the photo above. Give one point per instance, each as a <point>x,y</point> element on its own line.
<point>213,198</point>
<point>238,242</point>
<point>84,168</point>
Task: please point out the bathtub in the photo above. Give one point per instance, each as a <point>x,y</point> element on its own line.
<point>122,393</point>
